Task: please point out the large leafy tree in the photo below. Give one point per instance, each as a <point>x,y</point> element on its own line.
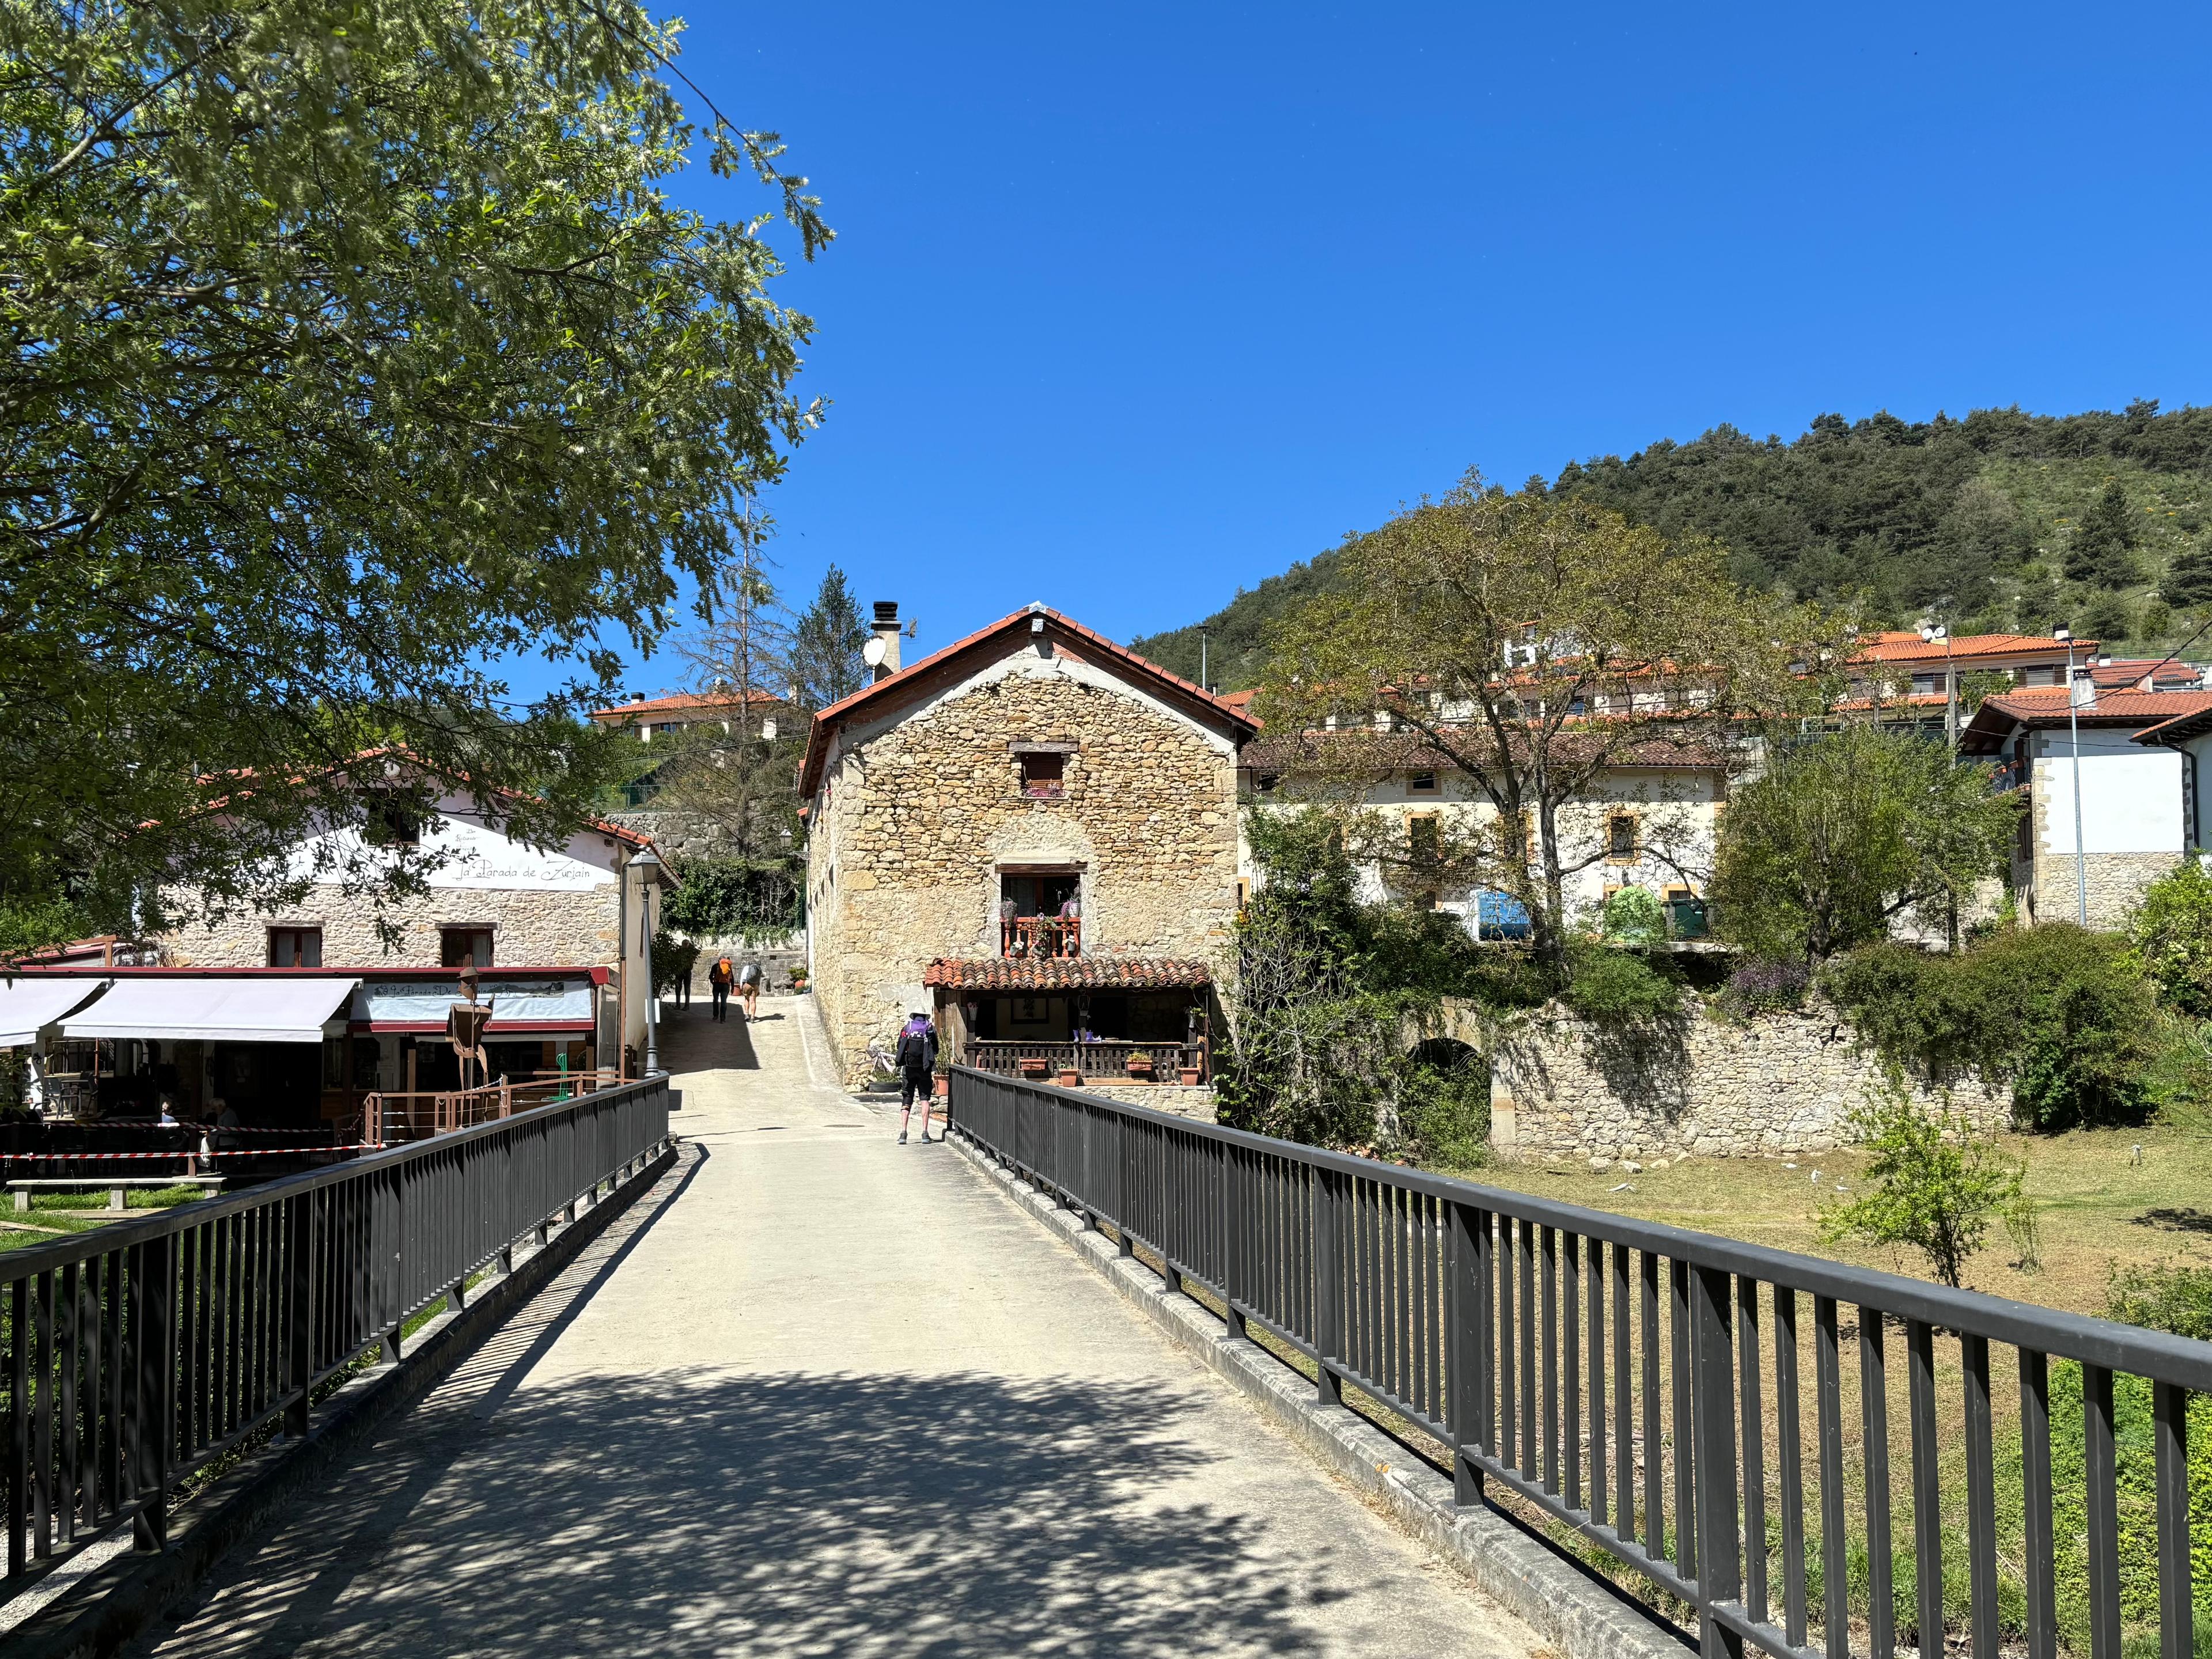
<point>1532,645</point>
<point>1846,830</point>
<point>354,345</point>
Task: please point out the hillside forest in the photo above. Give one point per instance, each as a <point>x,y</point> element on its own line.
<point>2003,521</point>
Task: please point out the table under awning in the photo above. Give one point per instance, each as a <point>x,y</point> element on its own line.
<point>279,1008</point>
<point>29,1005</point>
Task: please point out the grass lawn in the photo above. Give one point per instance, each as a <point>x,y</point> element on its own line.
<point>2096,1207</point>
<point>52,1215</point>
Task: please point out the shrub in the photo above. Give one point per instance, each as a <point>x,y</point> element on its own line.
<point>2171,928</point>
<point>2062,1014</point>
<point>1634,916</point>
<point>2176,1299</point>
<point>1763,986</point>
<point>1938,1185</point>
<point>1445,1119</point>
<point>1620,988</point>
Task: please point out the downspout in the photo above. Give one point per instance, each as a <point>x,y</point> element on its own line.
<point>621,966</point>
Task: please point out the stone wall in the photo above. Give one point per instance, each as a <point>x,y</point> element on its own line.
<point>1196,1103</point>
<point>530,928</point>
<point>918,818</point>
<point>679,835</point>
<point>1779,1083</point>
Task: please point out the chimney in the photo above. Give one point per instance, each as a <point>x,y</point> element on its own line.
<point>887,636</point>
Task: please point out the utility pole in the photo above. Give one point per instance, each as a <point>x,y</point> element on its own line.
<point>2065,636</point>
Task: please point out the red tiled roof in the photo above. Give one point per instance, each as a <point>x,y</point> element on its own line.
<point>1066,974</point>
<point>2046,705</point>
<point>1904,645</point>
<point>681,701</point>
<point>906,679</point>
<point>2164,674</point>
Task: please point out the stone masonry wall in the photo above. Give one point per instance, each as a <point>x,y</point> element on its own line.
<point>923,817</point>
<point>531,929</point>
<point>1780,1084</point>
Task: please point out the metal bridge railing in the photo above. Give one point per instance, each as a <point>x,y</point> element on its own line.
<point>1646,1387</point>
<point>139,1350</point>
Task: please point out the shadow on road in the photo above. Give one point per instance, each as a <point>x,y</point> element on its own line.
<point>701,1514</point>
<point>693,1040</point>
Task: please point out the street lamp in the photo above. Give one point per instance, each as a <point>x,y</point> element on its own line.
<point>2065,637</point>
<point>648,865</point>
<point>1931,633</point>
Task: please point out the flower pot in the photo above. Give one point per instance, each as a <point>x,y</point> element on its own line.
<point>1035,1069</point>
<point>1070,1078</point>
<point>1140,1074</point>
<point>1190,1077</point>
<point>944,1085</point>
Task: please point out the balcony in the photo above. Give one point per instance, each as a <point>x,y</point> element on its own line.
<point>1094,1062</point>
<point>1041,936</point>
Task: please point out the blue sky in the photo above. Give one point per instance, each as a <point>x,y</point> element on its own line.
<point>1132,305</point>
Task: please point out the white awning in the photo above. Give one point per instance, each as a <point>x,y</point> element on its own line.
<point>27,1005</point>
<point>533,1004</point>
<point>276,1008</point>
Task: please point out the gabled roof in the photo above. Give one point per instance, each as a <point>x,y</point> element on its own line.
<point>946,667</point>
<point>1065,973</point>
<point>2041,706</point>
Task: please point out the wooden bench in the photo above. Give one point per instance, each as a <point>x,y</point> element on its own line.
<point>114,1184</point>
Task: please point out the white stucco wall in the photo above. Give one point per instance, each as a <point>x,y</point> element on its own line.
<point>2130,795</point>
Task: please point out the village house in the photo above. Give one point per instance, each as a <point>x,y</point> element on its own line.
<point>2138,809</point>
<point>1032,835</point>
<point>293,1016</point>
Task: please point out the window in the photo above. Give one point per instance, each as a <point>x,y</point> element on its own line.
<point>455,944</point>
<point>1423,839</point>
<point>295,947</point>
<point>392,823</point>
<point>1421,783</point>
<point>1620,837</point>
<point>1044,776</point>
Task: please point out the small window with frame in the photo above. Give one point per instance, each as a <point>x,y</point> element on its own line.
<point>295,947</point>
<point>1044,776</point>
<point>1421,783</point>
<point>460,945</point>
<point>1620,837</point>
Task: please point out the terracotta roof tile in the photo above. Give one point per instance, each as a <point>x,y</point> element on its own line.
<point>1066,974</point>
<point>1903,646</point>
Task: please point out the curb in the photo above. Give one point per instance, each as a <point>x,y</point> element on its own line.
<point>99,1616</point>
<point>1579,1613</point>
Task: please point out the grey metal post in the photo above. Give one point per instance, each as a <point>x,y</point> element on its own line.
<point>2081,853</point>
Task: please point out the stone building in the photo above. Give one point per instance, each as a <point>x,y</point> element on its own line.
<point>564,924</point>
<point>1031,833</point>
<point>2139,812</point>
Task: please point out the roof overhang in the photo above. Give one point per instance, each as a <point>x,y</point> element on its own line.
<point>1030,975</point>
<point>945,668</point>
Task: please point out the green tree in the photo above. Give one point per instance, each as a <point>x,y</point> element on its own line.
<point>825,646</point>
<point>1847,830</point>
<point>352,352</point>
<point>2103,547</point>
<point>2171,927</point>
<point>1937,1185</point>
<point>1531,646</point>
<point>2189,578</point>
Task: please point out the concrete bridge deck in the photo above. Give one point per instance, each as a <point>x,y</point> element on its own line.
<point>818,1393</point>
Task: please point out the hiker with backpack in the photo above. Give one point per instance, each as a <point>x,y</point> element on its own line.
<point>917,1060</point>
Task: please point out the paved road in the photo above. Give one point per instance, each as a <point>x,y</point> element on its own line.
<point>822,1394</point>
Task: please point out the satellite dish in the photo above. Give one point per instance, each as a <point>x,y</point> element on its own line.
<point>872,652</point>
